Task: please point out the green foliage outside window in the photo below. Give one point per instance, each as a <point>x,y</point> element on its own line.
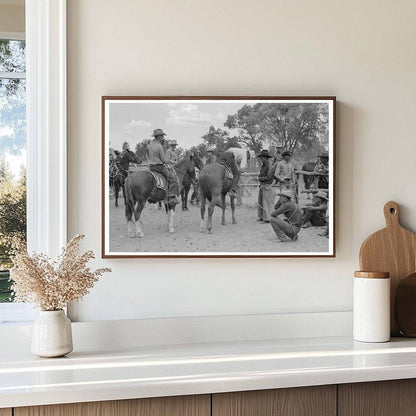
<point>12,223</point>
<point>12,145</point>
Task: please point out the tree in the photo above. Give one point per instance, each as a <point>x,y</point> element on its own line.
<point>215,138</point>
<point>142,149</point>
<point>232,142</point>
<point>298,127</point>
<point>248,121</point>
<point>12,216</point>
<point>6,175</point>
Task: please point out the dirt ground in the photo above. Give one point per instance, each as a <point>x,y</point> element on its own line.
<point>245,236</point>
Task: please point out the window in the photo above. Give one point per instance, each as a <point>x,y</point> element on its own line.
<point>45,27</point>
<point>12,153</point>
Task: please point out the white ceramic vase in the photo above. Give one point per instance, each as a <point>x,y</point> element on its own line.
<point>52,334</point>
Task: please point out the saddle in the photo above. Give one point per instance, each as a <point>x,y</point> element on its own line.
<point>228,171</point>
<point>160,180</point>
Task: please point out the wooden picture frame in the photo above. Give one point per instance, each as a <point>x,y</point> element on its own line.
<point>303,125</point>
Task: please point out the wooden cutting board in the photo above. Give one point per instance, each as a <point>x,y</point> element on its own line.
<point>393,250</point>
<point>405,305</point>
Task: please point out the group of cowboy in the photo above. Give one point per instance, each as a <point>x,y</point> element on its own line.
<point>285,216</point>
<point>163,162</point>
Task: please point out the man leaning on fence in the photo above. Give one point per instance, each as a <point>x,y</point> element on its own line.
<point>266,192</point>
<point>285,172</point>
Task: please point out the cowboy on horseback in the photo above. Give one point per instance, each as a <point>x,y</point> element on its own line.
<point>159,163</point>
<point>211,156</point>
<point>173,154</point>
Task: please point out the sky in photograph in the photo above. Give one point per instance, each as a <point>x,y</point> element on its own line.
<point>185,122</point>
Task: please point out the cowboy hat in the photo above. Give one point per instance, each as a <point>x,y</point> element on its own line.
<point>173,143</point>
<point>324,154</point>
<point>264,153</point>
<point>287,193</point>
<point>322,194</point>
<point>158,132</point>
<point>287,153</point>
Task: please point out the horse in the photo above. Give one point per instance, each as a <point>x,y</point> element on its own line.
<point>186,186</point>
<point>119,170</point>
<point>141,187</point>
<point>214,184</point>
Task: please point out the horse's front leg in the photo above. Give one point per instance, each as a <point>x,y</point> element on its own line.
<point>202,225</point>
<point>124,194</point>
<point>171,217</point>
<point>186,193</point>
<point>223,222</point>
<point>184,198</point>
<point>233,209</point>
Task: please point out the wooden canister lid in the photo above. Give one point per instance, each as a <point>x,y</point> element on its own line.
<point>372,275</point>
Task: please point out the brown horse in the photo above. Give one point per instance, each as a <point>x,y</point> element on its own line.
<point>214,184</point>
<point>141,187</point>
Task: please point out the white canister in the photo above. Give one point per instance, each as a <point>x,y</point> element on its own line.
<point>371,307</point>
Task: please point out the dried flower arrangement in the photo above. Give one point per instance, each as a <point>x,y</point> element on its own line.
<point>53,285</point>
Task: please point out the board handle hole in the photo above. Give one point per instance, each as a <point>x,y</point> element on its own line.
<point>392,211</point>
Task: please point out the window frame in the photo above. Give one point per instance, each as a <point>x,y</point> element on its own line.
<point>46,127</point>
<point>14,312</point>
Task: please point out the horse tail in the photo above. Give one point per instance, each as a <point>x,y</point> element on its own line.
<point>129,198</point>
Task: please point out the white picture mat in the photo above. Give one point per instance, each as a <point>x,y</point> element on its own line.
<point>106,144</point>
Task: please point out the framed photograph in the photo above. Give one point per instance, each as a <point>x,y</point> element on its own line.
<point>218,176</point>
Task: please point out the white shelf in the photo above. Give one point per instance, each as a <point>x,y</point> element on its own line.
<point>150,371</point>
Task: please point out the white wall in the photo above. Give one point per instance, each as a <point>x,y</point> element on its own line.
<point>363,52</point>
<point>12,18</point>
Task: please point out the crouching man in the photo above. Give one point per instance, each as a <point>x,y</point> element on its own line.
<point>286,228</point>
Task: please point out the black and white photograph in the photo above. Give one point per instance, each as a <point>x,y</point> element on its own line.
<point>218,176</point>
